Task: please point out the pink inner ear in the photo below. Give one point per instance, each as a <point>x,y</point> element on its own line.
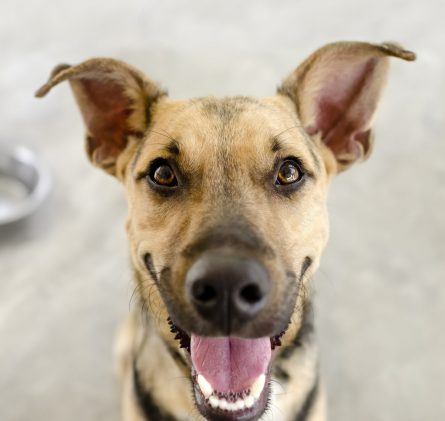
<point>344,107</point>
<point>105,109</point>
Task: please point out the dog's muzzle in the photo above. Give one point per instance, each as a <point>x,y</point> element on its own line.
<point>230,372</point>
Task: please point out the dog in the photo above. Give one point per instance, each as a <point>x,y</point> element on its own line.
<point>226,224</point>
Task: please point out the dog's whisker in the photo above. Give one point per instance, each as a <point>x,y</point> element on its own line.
<point>296,126</point>
<point>183,378</point>
<point>147,296</point>
<point>134,295</point>
<point>282,388</point>
<point>169,135</point>
<point>165,134</point>
<point>269,410</point>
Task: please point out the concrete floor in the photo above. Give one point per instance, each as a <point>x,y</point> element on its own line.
<point>64,282</point>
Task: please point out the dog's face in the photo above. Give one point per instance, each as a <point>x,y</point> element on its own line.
<point>241,189</point>
<point>227,203</point>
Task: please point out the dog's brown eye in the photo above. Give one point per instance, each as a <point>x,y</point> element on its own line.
<point>162,174</point>
<point>288,173</point>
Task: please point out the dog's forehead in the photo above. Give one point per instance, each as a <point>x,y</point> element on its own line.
<point>210,124</point>
<point>232,118</point>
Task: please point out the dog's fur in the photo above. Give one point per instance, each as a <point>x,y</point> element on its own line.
<point>226,151</point>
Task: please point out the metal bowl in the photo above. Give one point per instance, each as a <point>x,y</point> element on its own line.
<point>24,183</point>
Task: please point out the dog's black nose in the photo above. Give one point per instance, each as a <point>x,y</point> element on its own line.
<point>227,290</point>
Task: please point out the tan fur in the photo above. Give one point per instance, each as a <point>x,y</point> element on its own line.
<point>225,151</point>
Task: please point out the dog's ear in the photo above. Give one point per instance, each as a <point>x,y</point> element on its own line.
<point>114,99</point>
<point>336,91</point>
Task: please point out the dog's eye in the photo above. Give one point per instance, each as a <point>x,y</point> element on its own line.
<point>162,174</point>
<point>289,173</point>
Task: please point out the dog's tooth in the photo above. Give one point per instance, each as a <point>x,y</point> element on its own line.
<point>214,402</point>
<point>239,404</point>
<point>223,404</point>
<point>205,386</point>
<point>249,401</point>
<point>231,406</point>
<point>258,386</point>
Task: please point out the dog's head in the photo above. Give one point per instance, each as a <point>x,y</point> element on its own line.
<point>227,202</point>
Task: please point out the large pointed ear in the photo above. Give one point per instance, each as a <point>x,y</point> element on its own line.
<point>336,92</point>
<point>114,99</point>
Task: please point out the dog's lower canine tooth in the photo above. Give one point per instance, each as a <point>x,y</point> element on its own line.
<point>258,386</point>
<point>214,402</point>
<point>249,401</point>
<point>205,386</point>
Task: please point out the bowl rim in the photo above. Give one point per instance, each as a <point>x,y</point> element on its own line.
<point>29,204</point>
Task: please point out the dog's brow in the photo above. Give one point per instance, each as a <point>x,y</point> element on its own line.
<point>275,144</point>
<point>278,143</point>
<point>173,147</point>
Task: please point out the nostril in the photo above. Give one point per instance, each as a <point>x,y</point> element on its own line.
<point>251,294</point>
<point>204,293</point>
<point>227,290</point>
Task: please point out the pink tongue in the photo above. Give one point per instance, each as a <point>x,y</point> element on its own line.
<point>230,364</point>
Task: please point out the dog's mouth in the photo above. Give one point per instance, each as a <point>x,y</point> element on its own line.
<point>230,375</point>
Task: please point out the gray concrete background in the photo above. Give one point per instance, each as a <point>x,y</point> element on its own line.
<point>64,278</point>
